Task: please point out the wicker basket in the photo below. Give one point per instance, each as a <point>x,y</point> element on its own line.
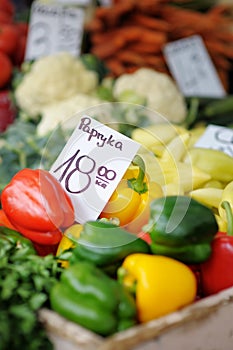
<point>204,325</point>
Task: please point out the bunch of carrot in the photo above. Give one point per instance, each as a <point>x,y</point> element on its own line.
<point>131,34</point>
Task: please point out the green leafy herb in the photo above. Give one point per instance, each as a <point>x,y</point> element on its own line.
<point>21,147</point>
<point>25,283</point>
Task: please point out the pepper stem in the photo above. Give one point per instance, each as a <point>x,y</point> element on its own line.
<point>121,274</point>
<point>226,205</point>
<point>138,184</point>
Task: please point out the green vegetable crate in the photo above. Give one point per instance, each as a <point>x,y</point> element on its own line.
<point>204,325</point>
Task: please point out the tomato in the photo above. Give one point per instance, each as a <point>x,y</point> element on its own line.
<point>22,28</point>
<point>5,18</point>
<point>9,37</point>
<point>8,7</point>
<point>7,110</point>
<point>6,69</point>
<point>19,53</point>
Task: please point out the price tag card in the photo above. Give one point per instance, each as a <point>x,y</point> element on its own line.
<point>217,137</point>
<point>91,165</point>
<point>192,68</point>
<point>54,28</point>
<point>75,2</point>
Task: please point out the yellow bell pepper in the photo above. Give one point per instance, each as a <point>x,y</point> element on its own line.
<point>68,241</point>
<point>130,201</point>
<point>162,284</point>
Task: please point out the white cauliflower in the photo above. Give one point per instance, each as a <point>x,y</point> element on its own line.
<point>65,113</point>
<point>160,91</point>
<point>53,79</point>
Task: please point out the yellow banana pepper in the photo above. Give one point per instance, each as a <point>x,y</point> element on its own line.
<point>211,197</point>
<point>177,148</point>
<point>217,164</point>
<point>227,195</point>
<point>162,284</point>
<point>186,176</point>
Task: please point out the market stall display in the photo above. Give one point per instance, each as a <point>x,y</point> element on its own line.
<point>156,261</point>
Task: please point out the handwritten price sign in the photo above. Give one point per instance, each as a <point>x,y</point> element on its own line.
<point>91,165</point>
<point>192,67</point>
<point>54,28</point>
<point>217,137</point>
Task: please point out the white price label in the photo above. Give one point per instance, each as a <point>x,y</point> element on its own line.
<point>192,67</point>
<point>91,165</point>
<point>75,2</point>
<point>54,28</point>
<point>217,137</point>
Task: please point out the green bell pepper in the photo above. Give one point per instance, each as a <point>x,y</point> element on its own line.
<point>89,297</point>
<point>14,244</point>
<point>106,245</point>
<point>182,228</point>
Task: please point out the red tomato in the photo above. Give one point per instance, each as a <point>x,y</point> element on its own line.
<point>5,17</point>
<point>6,69</point>
<point>7,112</point>
<point>9,37</point>
<point>7,6</point>
<point>22,27</point>
<point>19,54</point>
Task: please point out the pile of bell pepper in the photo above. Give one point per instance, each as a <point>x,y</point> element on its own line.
<point>142,259</point>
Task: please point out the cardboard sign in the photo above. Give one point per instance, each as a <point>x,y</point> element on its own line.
<point>217,137</point>
<point>91,165</point>
<point>54,28</point>
<point>192,68</point>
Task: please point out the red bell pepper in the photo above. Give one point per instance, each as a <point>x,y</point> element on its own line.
<point>4,220</point>
<point>217,272</point>
<point>36,204</point>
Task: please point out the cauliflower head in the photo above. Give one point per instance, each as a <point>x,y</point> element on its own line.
<point>159,90</point>
<point>63,112</point>
<point>53,79</point>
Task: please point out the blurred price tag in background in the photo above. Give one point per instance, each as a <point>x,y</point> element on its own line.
<point>192,68</point>
<point>54,27</point>
<point>217,137</point>
<point>91,165</point>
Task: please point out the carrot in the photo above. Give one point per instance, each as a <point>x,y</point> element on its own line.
<point>107,49</point>
<point>103,37</point>
<point>223,75</point>
<point>220,48</point>
<point>144,48</point>
<point>219,9</point>
<point>131,69</point>
<point>116,68</point>
<point>94,25</point>
<point>150,7</point>
<point>130,57</point>
<point>153,60</point>
<point>149,22</point>
<point>220,61</point>
<point>112,15</point>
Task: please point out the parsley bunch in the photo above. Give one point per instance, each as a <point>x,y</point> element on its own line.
<point>25,283</point>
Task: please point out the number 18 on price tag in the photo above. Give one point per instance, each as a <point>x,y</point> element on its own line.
<point>91,165</point>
